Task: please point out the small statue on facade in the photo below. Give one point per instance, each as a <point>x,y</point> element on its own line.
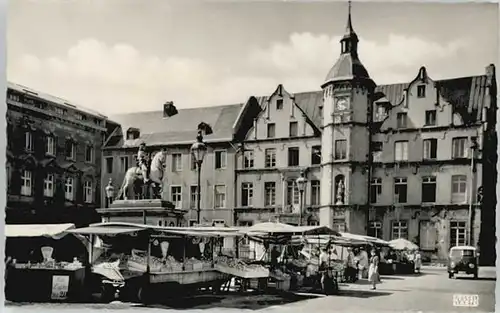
<point>147,175</point>
<point>340,193</point>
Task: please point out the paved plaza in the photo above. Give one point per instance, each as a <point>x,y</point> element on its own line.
<point>431,291</point>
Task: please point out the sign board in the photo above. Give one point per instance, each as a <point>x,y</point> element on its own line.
<point>60,286</point>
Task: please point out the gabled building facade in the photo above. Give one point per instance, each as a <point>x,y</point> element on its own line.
<point>414,160</point>
<point>53,159</point>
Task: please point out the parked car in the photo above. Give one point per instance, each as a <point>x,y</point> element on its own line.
<point>463,259</point>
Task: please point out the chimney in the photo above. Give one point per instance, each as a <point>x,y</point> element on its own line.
<point>169,109</point>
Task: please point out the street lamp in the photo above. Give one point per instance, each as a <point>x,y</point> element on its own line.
<point>301,183</point>
<point>198,151</point>
<point>110,192</point>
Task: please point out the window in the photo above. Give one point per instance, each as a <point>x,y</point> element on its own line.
<point>26,184</point>
<point>458,233</point>
<point>459,147</point>
<point>430,149</point>
<point>375,229</point>
<point>458,188</point>
<point>293,131</point>
<point>193,196</point>
<point>269,193</point>
<point>50,147</point>
<point>430,118</point>
<point>89,154</point>
<point>400,190</point>
<point>246,194</point>
<point>315,192</point>
<point>429,189</point>
<point>421,91</point>
<point>68,189</point>
<point>70,150</point>
<point>123,164</point>
<point>248,159</point>
<point>316,155</point>
<point>220,196</point>
<point>375,189</point>
<point>271,130</point>
<point>48,186</point>
<point>402,120</point>
<point>270,158</point>
<point>340,149</point>
<point>292,193</point>
<point>87,192</point>
<point>279,104</point>
<point>176,196</point>
<point>293,156</point>
<point>399,230</point>
<point>193,162</point>
<point>28,141</point>
<point>220,159</point>
<point>339,225</point>
<point>109,165</point>
<point>176,162</point>
<point>401,151</point>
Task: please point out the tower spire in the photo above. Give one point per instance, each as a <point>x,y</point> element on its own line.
<point>350,40</point>
<point>349,30</point>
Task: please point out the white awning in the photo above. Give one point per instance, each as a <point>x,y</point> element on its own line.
<point>55,231</point>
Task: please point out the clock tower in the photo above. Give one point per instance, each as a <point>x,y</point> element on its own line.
<point>346,136</point>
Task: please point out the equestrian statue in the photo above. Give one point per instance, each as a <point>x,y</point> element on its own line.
<point>145,180</point>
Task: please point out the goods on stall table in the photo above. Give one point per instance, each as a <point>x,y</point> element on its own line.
<point>280,275</point>
<point>299,263</point>
<point>239,268</point>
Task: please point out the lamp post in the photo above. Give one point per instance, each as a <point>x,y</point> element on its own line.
<point>110,192</point>
<point>474,147</point>
<point>301,183</point>
<point>198,151</point>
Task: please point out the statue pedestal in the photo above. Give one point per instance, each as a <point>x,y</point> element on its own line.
<point>145,211</point>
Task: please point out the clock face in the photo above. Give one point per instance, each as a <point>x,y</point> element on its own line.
<point>342,103</point>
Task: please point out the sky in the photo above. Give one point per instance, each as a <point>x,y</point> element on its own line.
<point>120,56</point>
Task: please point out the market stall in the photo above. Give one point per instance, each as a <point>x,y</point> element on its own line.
<point>43,263</point>
<point>401,256</point>
<point>159,261</point>
<point>286,269</point>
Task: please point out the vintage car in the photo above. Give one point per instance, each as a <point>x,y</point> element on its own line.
<point>463,259</point>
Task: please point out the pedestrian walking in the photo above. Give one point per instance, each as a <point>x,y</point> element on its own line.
<point>418,261</point>
<point>373,275</point>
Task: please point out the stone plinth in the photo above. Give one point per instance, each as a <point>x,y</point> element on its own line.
<point>145,211</point>
<point>143,203</point>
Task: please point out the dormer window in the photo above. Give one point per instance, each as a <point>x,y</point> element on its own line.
<point>133,133</point>
<point>421,91</point>
<point>279,104</point>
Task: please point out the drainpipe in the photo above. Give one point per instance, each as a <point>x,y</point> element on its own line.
<point>470,236</point>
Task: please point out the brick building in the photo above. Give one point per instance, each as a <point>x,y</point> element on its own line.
<point>53,158</point>
<point>413,160</point>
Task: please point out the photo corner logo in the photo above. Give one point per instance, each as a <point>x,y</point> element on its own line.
<point>466,300</point>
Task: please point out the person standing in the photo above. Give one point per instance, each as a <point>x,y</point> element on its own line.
<point>418,261</point>
<point>373,275</point>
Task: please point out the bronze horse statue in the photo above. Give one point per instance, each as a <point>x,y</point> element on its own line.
<point>138,177</point>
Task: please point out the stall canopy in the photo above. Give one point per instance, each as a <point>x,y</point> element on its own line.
<point>365,239</point>
<point>402,244</point>
<point>55,231</point>
<point>103,230</point>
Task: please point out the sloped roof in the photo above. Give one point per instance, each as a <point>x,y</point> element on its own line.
<point>347,67</point>
<point>180,128</point>
<point>59,101</point>
<point>467,94</point>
